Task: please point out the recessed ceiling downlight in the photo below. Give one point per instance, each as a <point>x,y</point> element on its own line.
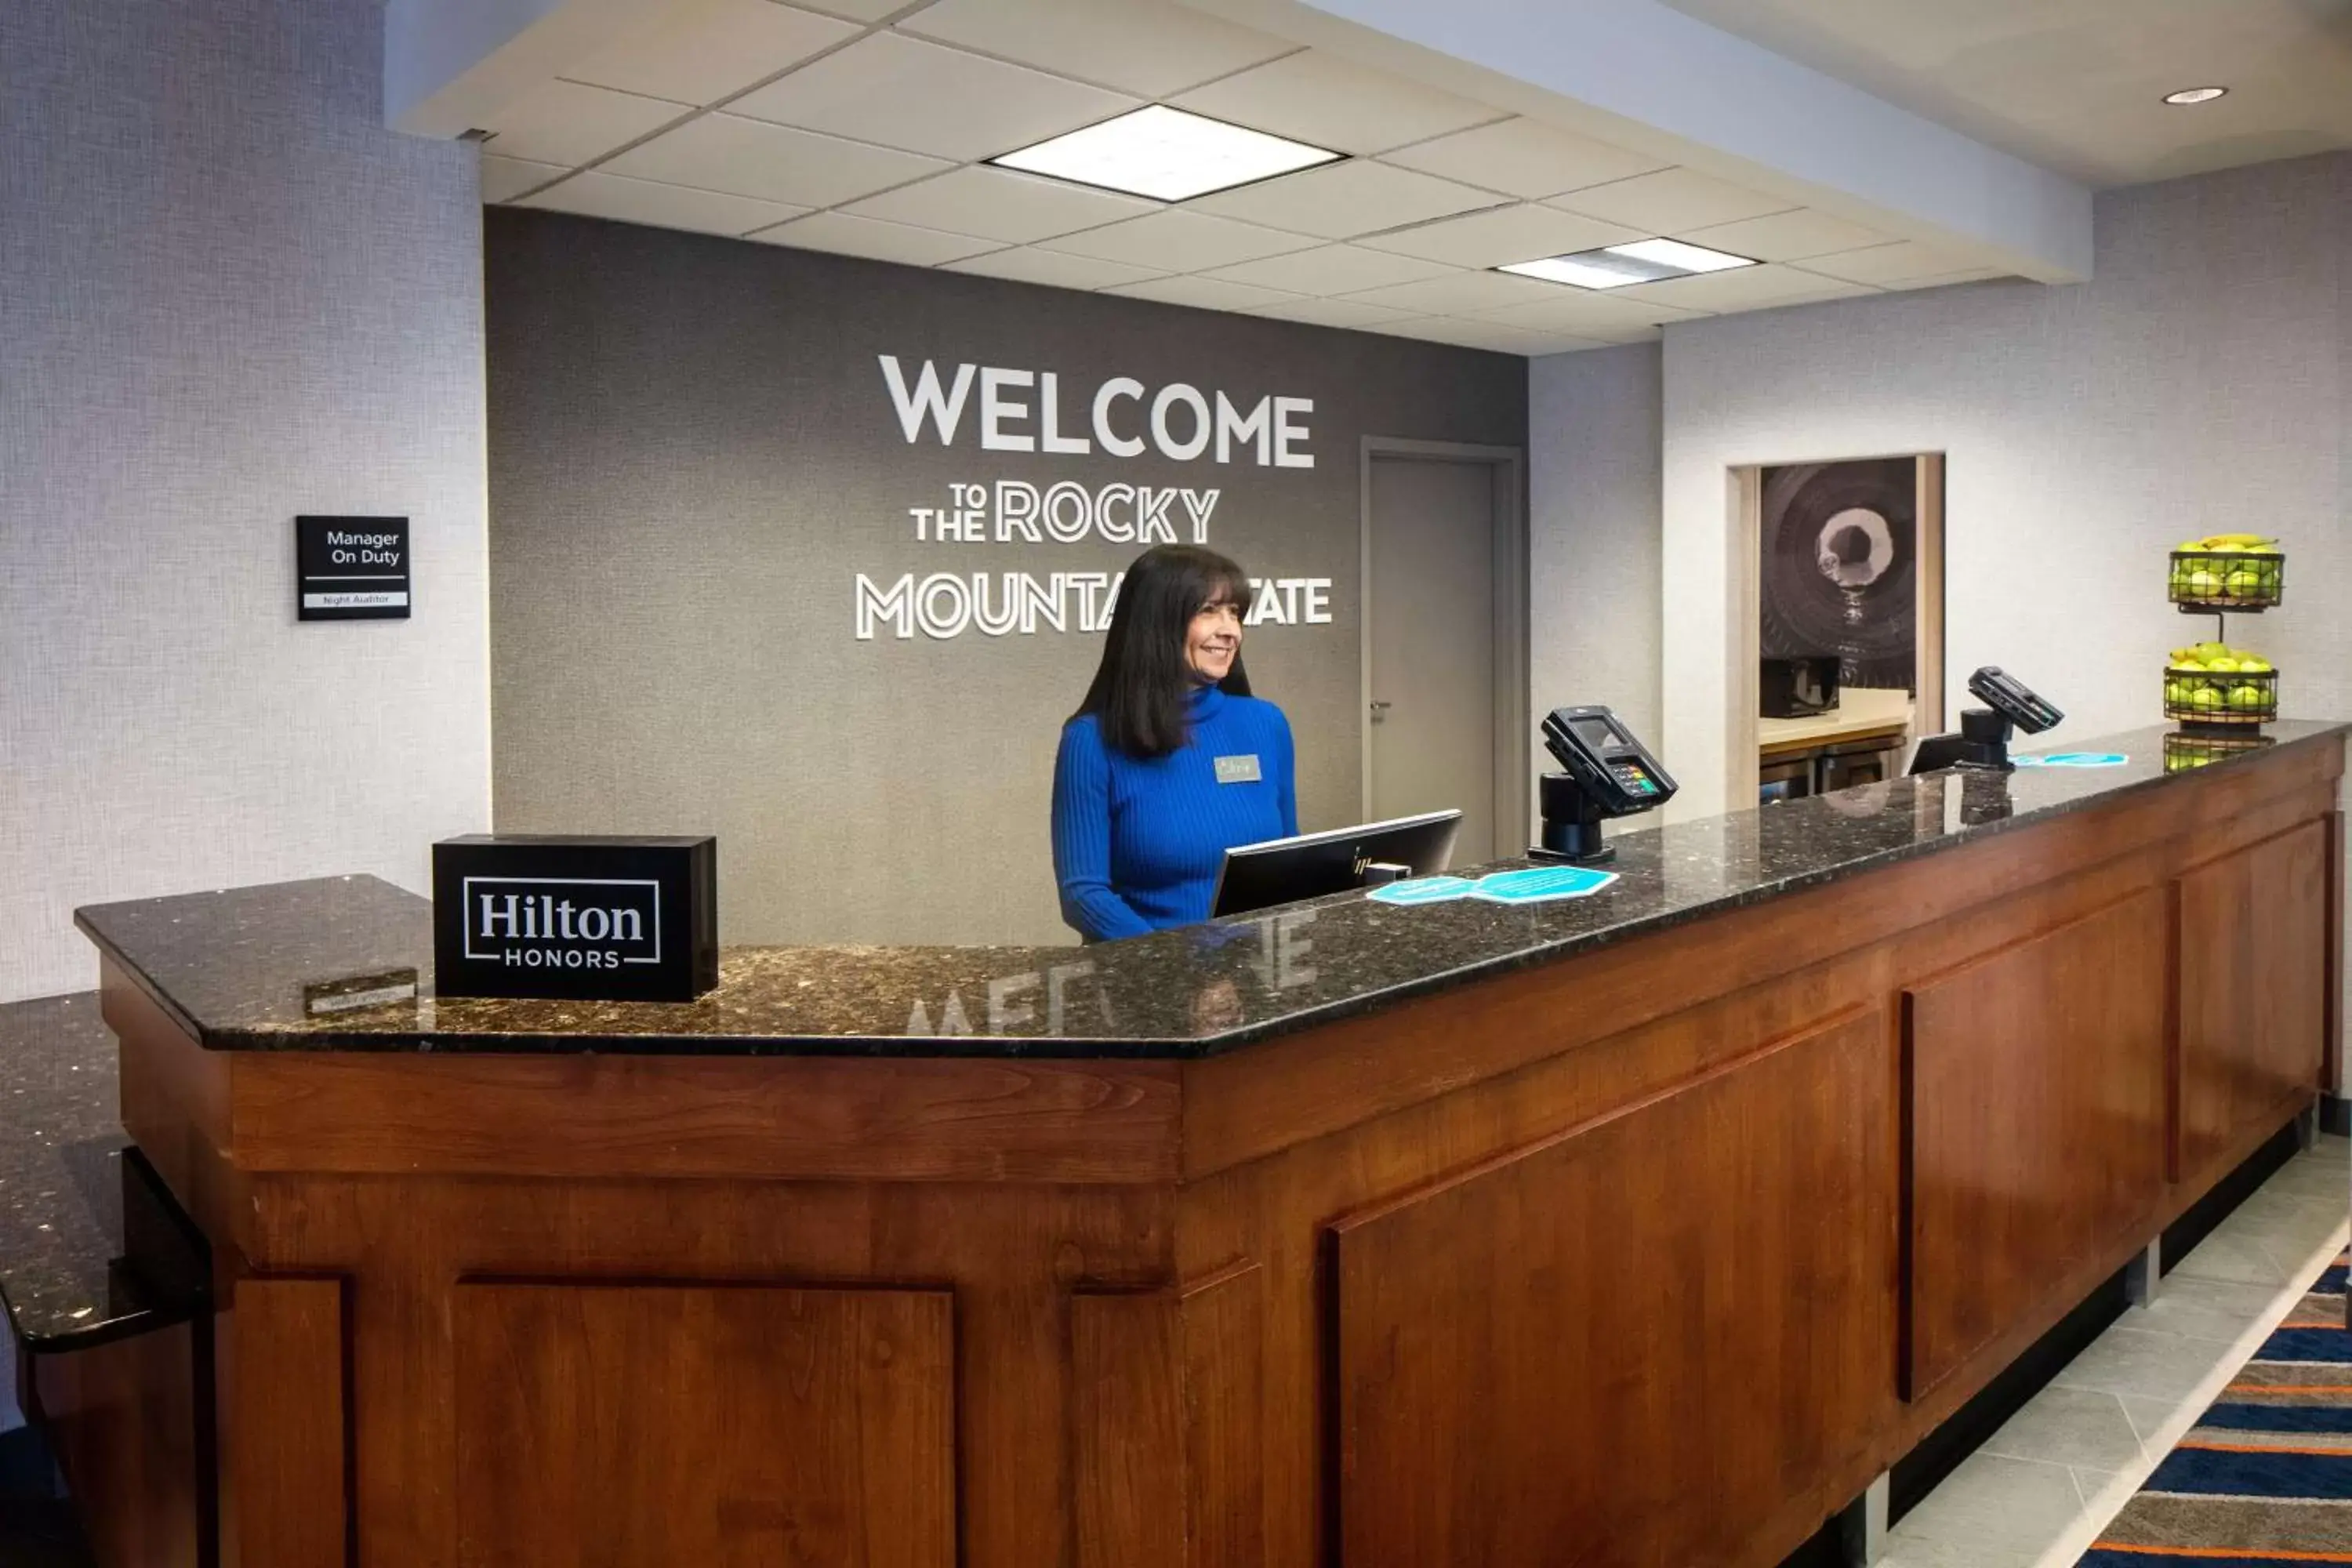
<point>1165,154</point>
<point>1640,261</point>
<point>2188,95</point>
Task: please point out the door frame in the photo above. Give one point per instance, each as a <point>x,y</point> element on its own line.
<point>1745,491</point>
<point>1513,721</point>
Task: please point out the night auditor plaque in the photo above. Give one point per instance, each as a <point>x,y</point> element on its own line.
<point>351,568</point>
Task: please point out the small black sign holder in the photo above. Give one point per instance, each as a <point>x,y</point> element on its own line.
<point>350,569</point>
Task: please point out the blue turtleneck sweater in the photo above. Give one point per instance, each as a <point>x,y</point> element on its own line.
<point>1137,844</point>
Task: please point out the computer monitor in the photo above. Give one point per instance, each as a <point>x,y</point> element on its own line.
<point>1284,870</point>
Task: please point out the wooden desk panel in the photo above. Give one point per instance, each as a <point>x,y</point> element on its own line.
<point>2254,977</point>
<point>2035,1079</point>
<point>1554,1356</point>
<point>639,1426</point>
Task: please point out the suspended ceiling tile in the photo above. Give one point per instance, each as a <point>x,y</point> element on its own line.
<point>1590,315</point>
<point>1491,238</point>
<point>1000,205</point>
<point>1786,236</point>
<point>595,194</point>
<point>1671,201</point>
<point>1143,46</point>
<point>772,163</point>
<point>1341,201</point>
<point>867,236</point>
<point>1946,280</point>
<point>1900,262</point>
<point>1748,289</point>
<point>1330,313</point>
<point>1205,293</point>
<point>856,10</point>
<point>1180,241</point>
<point>704,51</point>
<point>1326,101</point>
<point>1054,269</point>
<point>1524,158</point>
<point>503,179</point>
<point>1459,294</point>
<point>1330,269</point>
<point>568,124</point>
<point>903,92</point>
<point>1492,336</point>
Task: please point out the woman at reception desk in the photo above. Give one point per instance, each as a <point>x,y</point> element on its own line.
<point>1169,761</point>
<point>1644,1228</point>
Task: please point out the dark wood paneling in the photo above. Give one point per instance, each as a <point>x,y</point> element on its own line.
<point>1237,1108</point>
<point>1654,1202</point>
<point>122,1419</point>
<point>655,1426</point>
<point>2254,970</point>
<point>1631,1343</point>
<point>1170,1424</point>
<point>773,1118</point>
<point>285,1443</point>
<point>2036,1083</point>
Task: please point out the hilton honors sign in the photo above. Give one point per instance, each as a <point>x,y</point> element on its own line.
<point>585,919</point>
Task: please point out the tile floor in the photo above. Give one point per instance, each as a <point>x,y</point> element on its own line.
<point>2038,1492</point>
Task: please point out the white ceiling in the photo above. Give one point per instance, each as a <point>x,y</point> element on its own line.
<point>2078,85</point>
<point>813,126</point>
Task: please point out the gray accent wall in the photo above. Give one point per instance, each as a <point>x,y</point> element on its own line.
<point>227,295</point>
<point>694,453</point>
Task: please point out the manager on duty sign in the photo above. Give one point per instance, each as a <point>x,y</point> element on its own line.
<point>351,568</point>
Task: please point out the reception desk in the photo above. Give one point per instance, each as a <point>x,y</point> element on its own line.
<point>1645,1228</point>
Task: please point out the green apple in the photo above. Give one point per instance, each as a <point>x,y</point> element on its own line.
<point>2248,699</point>
<point>2243,584</point>
<point>2204,697</point>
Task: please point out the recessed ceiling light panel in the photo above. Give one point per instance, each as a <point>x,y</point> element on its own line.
<point>1165,154</point>
<point>1641,262</point>
<point>1684,258</point>
<point>2188,95</point>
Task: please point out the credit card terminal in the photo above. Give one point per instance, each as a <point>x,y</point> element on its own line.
<point>1606,761</point>
<point>2014,700</point>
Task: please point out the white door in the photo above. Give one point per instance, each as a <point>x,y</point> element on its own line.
<point>1430,615</point>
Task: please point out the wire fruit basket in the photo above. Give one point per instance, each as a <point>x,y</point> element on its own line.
<point>2222,691</point>
<point>2228,573</point>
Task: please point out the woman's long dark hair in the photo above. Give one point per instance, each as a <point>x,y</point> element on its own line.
<point>1139,690</point>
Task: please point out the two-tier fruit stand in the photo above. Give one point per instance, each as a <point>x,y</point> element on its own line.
<point>2219,695</point>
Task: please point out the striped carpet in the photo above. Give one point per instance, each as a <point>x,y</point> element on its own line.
<point>2265,1476</point>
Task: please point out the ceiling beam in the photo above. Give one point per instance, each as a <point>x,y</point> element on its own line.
<point>1645,76</point>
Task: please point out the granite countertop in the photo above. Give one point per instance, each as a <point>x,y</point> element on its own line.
<point>279,967</point>
<point>91,1250</point>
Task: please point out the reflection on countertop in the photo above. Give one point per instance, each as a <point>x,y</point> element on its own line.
<point>244,969</point>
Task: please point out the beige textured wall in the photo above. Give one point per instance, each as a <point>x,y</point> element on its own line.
<point>227,295</point>
<point>2197,384</point>
<point>693,453</point>
<point>1593,422</point>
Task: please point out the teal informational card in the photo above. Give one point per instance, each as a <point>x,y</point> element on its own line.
<point>2074,760</point>
<point>1536,885</point>
<point>1421,890</point>
<point>1542,884</point>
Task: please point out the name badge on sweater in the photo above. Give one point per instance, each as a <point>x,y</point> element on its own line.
<point>1238,770</point>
